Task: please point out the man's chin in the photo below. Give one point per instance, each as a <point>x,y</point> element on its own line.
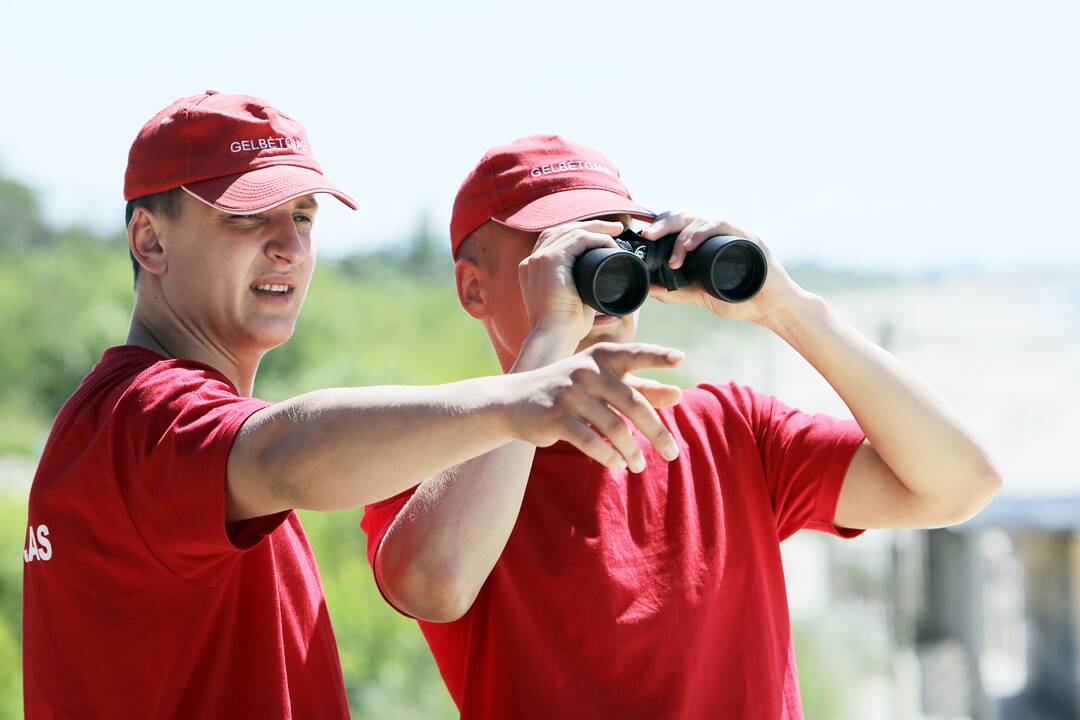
<point>267,336</point>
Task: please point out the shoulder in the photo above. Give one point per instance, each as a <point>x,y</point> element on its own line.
<point>169,395</point>
<point>727,403</point>
<point>162,381</point>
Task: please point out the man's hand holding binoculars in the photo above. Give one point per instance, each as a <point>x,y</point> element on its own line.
<point>546,277</point>
<point>580,268</point>
<point>777,295</point>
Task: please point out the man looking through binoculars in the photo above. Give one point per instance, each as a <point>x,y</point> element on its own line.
<point>548,584</point>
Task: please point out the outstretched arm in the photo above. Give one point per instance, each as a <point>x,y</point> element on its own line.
<point>341,448</point>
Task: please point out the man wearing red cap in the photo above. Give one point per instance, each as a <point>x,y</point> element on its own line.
<point>165,572</point>
<point>548,585</point>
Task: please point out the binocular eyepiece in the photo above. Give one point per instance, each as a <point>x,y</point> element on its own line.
<point>616,281</point>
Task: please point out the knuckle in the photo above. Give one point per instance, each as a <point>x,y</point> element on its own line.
<point>600,449</point>
<point>613,426</point>
<point>580,374</point>
<point>562,397</point>
<point>623,393</point>
<point>604,349</point>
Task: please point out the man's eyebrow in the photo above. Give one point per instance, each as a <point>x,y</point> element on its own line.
<point>307,203</point>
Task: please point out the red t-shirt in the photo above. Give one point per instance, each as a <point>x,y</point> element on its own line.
<point>138,600</point>
<point>658,595</point>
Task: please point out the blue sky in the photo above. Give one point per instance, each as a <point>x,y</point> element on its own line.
<point>915,135</point>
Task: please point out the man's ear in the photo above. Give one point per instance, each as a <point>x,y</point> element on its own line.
<point>144,243</point>
<point>472,288</point>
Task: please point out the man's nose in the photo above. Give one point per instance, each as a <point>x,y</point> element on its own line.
<point>287,244</point>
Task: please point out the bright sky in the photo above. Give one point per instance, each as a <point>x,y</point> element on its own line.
<point>918,135</point>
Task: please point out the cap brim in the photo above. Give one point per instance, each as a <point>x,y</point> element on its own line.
<point>260,190</point>
<point>570,205</point>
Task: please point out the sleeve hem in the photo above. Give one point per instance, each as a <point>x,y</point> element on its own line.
<point>828,494</point>
<point>246,534</point>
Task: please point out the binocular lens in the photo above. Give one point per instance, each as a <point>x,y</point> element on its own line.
<point>731,268</point>
<point>737,270</point>
<point>615,279</point>
<point>620,284</point>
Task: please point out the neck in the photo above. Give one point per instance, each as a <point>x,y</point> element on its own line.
<point>174,339</point>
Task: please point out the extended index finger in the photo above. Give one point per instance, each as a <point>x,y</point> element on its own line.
<point>624,358</point>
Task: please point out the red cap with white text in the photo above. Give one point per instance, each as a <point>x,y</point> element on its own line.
<point>536,182</point>
<point>233,152</point>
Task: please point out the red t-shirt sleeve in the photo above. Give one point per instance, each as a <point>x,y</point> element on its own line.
<point>173,428</point>
<point>804,459</point>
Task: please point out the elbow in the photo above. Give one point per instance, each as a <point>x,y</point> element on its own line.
<point>437,594</point>
<point>980,489</point>
<point>989,484</point>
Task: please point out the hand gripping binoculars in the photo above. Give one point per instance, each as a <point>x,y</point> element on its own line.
<point>616,281</point>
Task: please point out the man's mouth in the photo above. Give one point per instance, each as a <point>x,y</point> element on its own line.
<point>602,319</point>
<point>273,290</point>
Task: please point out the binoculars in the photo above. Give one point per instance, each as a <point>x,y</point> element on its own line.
<point>616,281</point>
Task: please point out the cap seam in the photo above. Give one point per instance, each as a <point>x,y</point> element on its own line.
<point>495,185</point>
<point>185,132</point>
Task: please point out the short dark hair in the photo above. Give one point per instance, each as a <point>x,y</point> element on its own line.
<point>166,203</point>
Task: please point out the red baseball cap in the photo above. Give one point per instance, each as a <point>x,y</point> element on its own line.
<point>536,182</point>
<point>233,152</point>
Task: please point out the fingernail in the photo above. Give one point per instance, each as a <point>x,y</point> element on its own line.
<point>671,451</point>
<point>639,466</point>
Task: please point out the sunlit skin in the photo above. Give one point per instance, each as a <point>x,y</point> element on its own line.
<point>196,295</point>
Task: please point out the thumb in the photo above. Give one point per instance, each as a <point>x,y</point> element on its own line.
<point>658,394</point>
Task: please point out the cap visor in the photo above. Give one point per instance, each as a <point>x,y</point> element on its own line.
<point>569,205</point>
<point>260,190</point>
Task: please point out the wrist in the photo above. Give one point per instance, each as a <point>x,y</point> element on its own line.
<point>543,346</point>
<point>787,319</point>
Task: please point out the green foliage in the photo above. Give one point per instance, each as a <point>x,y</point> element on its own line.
<point>12,539</point>
<point>61,304</point>
<point>386,329</point>
<point>388,668</point>
<point>22,225</point>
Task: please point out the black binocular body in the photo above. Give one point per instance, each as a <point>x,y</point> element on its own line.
<point>616,281</point>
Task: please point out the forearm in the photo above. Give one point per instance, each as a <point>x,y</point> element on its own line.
<point>910,425</point>
<point>444,543</point>
<point>343,447</point>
